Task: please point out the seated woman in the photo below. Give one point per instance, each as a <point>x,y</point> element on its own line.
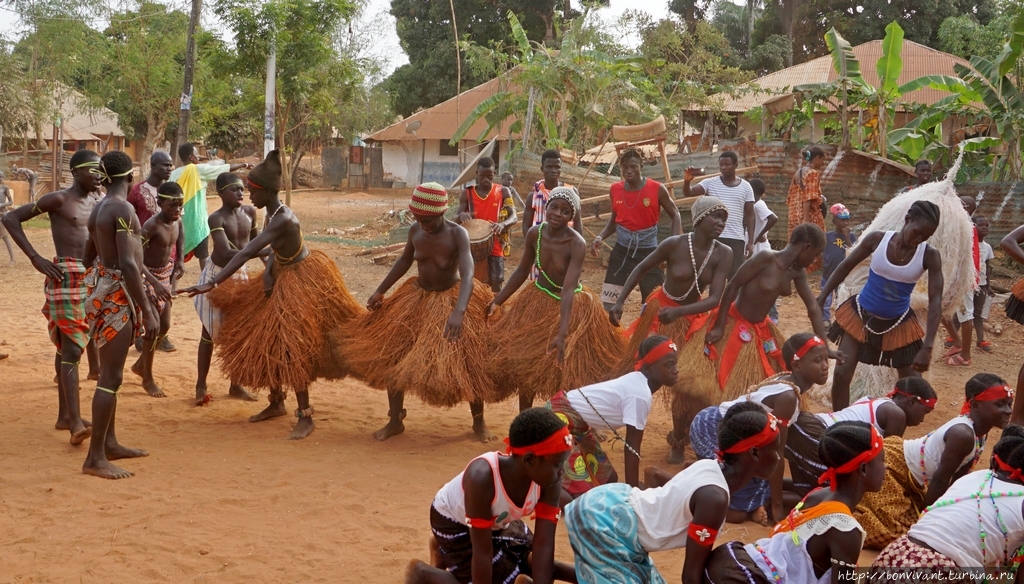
<point>906,405</point>
<point>806,359</point>
<point>977,524</point>
<point>919,471</point>
<point>624,402</point>
<point>614,528</point>
<point>820,541</point>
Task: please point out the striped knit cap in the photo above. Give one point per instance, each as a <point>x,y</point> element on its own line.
<point>429,199</point>
<point>568,194</point>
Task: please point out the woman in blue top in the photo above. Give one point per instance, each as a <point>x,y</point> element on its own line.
<point>878,325</point>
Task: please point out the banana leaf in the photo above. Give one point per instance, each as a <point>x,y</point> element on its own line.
<point>890,65</point>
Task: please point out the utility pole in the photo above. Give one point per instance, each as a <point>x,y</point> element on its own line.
<point>269,100</point>
<point>186,88</point>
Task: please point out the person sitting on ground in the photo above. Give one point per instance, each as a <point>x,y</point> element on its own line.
<point>918,472</point>
<point>624,402</point>
<point>806,357</point>
<point>820,540</point>
<point>905,406</point>
<point>161,239</point>
<point>477,518</point>
<point>614,528</point>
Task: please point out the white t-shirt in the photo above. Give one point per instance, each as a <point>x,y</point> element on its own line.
<point>624,401</point>
<point>663,514</point>
<point>984,254</point>
<point>734,199</point>
<point>934,443</point>
<point>759,395</point>
<point>761,215</point>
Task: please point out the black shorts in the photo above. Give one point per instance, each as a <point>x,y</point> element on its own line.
<point>495,270</point>
<point>202,251</point>
<point>621,263</point>
<point>738,247</point>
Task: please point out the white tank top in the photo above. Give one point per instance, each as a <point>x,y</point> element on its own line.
<point>450,501</point>
<point>931,446</point>
<point>863,410</point>
<point>908,274</point>
<point>786,551</point>
<point>953,530</point>
<point>761,393</point>
<point>663,514</point>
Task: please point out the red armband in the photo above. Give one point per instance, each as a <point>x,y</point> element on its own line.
<point>545,511</point>
<point>703,535</point>
<point>480,523</point>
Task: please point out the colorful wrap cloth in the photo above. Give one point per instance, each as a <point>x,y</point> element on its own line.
<point>109,307</point>
<point>913,563</point>
<point>704,439</point>
<point>209,315</point>
<point>400,346</point>
<point>602,528</point>
<point>889,513</point>
<point>510,548</point>
<point>746,354</point>
<point>587,466</point>
<point>163,276</point>
<point>64,308</point>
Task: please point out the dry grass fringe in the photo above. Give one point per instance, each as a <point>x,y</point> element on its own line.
<point>280,341</point>
<point>675,330</point>
<point>400,346</point>
<point>697,387</point>
<point>519,345</point>
<point>908,332</point>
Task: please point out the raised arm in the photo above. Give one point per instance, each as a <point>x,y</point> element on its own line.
<point>1011,245</point>
<point>859,253</point>
<point>668,204</point>
<point>694,191</point>
<point>13,222</point>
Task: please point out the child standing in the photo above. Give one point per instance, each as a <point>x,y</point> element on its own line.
<point>506,181</point>
<point>764,220</point>
<point>477,518</point>
<point>161,235</point>
<point>6,201</point>
<point>837,242</point>
<point>491,202</point>
<point>972,315</point>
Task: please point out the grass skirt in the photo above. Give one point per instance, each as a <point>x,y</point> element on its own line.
<point>400,347</point>
<point>888,514</point>
<point>519,359</point>
<point>281,341</point>
<point>1015,303</point>
<point>679,330</point>
<point>895,348</point>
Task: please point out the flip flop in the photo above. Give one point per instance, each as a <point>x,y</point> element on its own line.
<point>957,361</point>
<point>985,346</point>
<point>952,351</point>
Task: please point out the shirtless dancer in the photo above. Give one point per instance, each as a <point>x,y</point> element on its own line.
<point>68,211</point>
<point>116,308</point>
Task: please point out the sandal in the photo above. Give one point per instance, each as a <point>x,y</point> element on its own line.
<point>951,352</point>
<point>957,361</point>
<point>985,346</point>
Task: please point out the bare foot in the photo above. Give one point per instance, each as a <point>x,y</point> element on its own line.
<point>238,392</point>
<point>80,434</point>
<point>64,424</point>
<point>677,452</point>
<point>153,389</point>
<point>137,367</point>
<point>274,410</point>
<point>117,452</point>
<point>394,427</point>
<point>759,515</point>
<point>105,470</point>
<point>202,398</point>
<point>303,427</point>
<point>483,433</point>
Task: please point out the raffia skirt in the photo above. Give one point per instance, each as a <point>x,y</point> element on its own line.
<point>1015,303</point>
<point>400,347</point>
<point>887,515</point>
<point>895,348</point>
<point>281,341</point>
<point>519,359</point>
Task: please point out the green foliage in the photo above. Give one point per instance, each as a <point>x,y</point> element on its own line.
<point>769,56</point>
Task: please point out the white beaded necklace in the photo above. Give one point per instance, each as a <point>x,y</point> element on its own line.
<point>696,272</point>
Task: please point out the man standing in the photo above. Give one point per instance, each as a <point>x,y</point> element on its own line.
<point>923,173</point>
<point>143,197</point>
<point>492,202</point>
<point>637,203</point>
<point>64,288</point>
<point>737,195</point>
<point>30,176</point>
<point>192,177</point>
<point>6,201</point>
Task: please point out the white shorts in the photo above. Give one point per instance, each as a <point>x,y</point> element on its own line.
<point>966,312</point>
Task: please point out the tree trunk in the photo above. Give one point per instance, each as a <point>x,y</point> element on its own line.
<point>883,123</point>
<point>295,160</point>
<point>154,132</point>
<point>788,16</point>
<point>750,25</point>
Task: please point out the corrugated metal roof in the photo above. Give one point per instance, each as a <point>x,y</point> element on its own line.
<point>918,60</point>
<point>441,121</point>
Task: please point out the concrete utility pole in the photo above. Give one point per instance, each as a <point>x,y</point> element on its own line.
<point>186,88</point>
<point>268,103</point>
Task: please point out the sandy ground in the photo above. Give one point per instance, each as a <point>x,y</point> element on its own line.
<point>223,500</point>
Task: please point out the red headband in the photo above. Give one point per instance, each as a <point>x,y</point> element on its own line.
<point>557,443</point>
<point>994,393</point>
<point>254,184</point>
<point>832,475</point>
<point>1012,473</point>
<point>763,438</point>
<point>656,353</point>
<point>812,342</point>
<point>930,402</point>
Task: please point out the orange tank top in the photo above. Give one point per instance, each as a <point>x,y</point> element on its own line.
<point>636,210</point>
<point>487,208</point>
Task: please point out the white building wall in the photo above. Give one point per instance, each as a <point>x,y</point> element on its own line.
<point>404,160</point>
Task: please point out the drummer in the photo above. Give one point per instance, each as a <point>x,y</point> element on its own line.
<point>636,206</point>
<point>495,206</point>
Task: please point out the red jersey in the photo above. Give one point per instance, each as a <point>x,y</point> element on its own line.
<point>636,210</point>
<point>487,208</point>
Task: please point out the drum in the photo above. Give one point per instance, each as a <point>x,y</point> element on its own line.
<point>481,238</point>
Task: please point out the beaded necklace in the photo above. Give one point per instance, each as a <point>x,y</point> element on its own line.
<point>696,272</point>
<point>989,480</point>
<point>979,445</point>
<point>579,285</point>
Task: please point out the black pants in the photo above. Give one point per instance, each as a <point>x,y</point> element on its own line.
<point>738,247</point>
<point>620,264</point>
